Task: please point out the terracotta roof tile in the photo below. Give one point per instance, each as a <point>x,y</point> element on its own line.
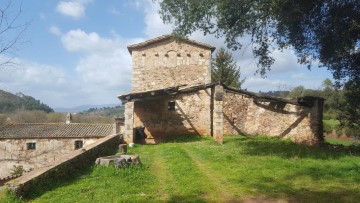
<point>166,37</point>
<point>55,130</point>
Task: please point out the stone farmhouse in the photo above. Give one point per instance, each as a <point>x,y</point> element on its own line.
<point>33,145</point>
<point>172,94</point>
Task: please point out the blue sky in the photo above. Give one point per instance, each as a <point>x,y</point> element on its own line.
<point>75,52</point>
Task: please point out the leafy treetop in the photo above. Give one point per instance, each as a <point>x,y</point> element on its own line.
<point>324,30</point>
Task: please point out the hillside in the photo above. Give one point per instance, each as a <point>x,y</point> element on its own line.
<point>82,108</point>
<point>10,103</point>
<point>117,111</point>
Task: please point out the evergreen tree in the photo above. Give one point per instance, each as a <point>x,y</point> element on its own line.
<point>225,70</point>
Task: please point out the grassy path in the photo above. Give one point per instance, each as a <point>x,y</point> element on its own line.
<point>220,187</point>
<point>158,167</point>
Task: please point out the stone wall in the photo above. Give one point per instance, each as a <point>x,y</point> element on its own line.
<point>14,152</point>
<point>128,130</point>
<point>66,164</point>
<point>191,115</point>
<point>167,64</point>
<point>298,123</point>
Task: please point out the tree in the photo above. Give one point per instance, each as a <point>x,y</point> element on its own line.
<point>11,31</point>
<point>324,31</point>
<point>349,108</point>
<point>297,91</point>
<point>225,70</point>
<point>327,30</point>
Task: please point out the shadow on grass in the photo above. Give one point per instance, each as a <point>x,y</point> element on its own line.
<point>41,187</point>
<point>280,190</point>
<point>262,146</point>
<point>58,178</point>
<point>184,138</point>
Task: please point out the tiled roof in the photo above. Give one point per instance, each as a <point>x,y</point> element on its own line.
<point>166,37</point>
<point>183,89</point>
<point>55,130</point>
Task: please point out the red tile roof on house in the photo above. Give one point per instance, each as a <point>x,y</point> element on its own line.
<point>167,37</point>
<point>55,130</point>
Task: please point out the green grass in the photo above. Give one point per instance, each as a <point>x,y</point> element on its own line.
<point>330,124</point>
<point>199,170</point>
<point>339,142</point>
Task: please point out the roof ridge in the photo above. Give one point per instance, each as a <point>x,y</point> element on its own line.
<point>165,37</point>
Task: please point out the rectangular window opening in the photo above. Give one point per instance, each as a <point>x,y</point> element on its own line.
<point>171,105</point>
<point>31,146</point>
<point>78,144</point>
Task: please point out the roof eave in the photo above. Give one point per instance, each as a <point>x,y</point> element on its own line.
<point>164,38</point>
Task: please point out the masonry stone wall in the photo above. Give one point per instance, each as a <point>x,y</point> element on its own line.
<point>298,123</point>
<point>14,152</point>
<point>164,63</point>
<point>65,165</point>
<point>128,130</point>
<point>192,115</point>
<point>168,63</point>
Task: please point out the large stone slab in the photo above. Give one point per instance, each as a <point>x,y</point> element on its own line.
<point>119,160</point>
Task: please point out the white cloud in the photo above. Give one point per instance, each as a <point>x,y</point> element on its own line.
<point>298,76</point>
<point>80,41</point>
<point>102,72</point>
<point>97,79</point>
<point>154,25</point>
<point>105,63</point>
<point>55,30</point>
<point>72,8</point>
<point>110,71</point>
<point>48,83</point>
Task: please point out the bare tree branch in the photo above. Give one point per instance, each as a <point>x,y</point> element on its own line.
<point>11,30</point>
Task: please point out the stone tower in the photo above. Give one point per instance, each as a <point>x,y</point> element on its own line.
<point>162,62</point>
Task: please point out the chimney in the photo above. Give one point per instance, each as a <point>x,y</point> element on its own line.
<point>118,123</point>
<point>68,118</point>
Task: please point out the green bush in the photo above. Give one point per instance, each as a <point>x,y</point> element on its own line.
<point>331,114</point>
<point>330,124</point>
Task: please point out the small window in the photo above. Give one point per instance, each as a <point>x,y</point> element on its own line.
<point>78,144</point>
<point>171,105</point>
<point>31,146</point>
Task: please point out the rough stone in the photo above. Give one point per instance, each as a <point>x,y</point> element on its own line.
<point>14,152</point>
<point>119,160</point>
<point>214,110</point>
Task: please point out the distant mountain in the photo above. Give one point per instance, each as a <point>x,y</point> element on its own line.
<point>10,103</point>
<point>81,108</point>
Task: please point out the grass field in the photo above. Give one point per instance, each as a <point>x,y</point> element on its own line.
<point>199,170</point>
<point>330,124</point>
<point>339,141</point>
